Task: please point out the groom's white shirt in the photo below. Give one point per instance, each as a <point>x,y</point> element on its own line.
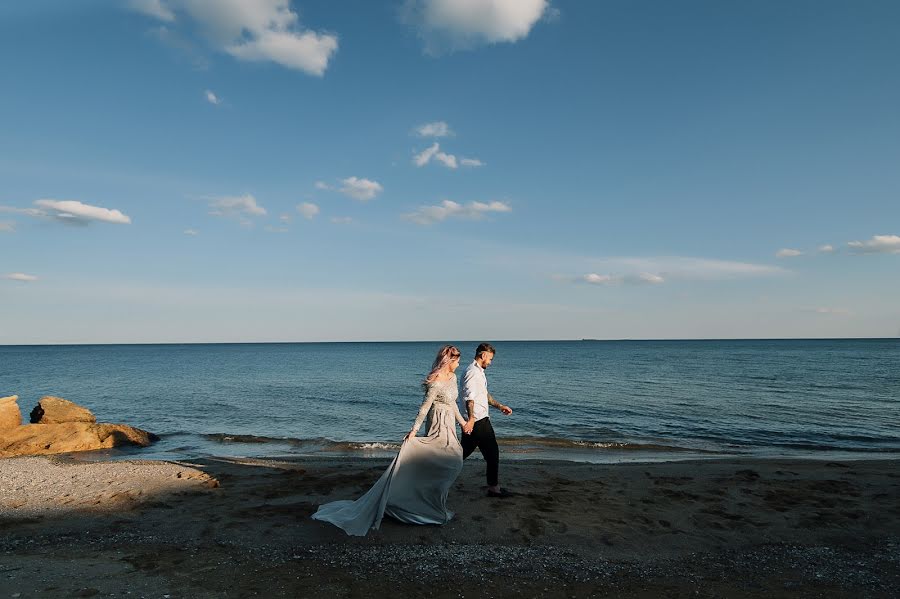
<point>474,388</point>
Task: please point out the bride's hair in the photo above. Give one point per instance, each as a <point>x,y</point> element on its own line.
<point>444,356</point>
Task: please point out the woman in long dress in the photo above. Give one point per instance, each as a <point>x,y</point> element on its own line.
<point>414,487</point>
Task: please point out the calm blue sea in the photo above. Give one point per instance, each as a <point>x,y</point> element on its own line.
<point>582,400</point>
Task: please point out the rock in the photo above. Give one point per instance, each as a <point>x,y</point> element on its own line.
<point>38,439</point>
<point>10,415</point>
<point>55,410</point>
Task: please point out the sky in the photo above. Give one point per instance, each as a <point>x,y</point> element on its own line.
<point>387,170</point>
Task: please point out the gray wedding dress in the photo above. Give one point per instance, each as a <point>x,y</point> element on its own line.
<point>414,487</point>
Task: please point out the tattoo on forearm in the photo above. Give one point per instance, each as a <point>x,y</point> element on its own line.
<point>493,402</point>
<point>470,408</point>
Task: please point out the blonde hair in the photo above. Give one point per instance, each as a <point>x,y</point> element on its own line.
<point>444,356</point>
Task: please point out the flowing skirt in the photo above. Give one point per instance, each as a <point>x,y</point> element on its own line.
<point>414,487</point>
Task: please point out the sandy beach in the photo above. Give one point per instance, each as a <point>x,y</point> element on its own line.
<point>241,527</point>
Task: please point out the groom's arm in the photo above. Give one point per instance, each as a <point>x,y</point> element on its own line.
<point>493,402</point>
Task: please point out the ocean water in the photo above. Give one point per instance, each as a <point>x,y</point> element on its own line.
<point>595,401</point>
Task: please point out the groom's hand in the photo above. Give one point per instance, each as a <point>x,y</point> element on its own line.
<point>506,410</point>
<point>468,426</point>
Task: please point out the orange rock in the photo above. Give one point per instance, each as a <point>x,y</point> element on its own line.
<point>54,410</point>
<point>10,415</point>
<point>41,439</point>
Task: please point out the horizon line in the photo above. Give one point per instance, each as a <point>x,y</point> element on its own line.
<point>583,339</point>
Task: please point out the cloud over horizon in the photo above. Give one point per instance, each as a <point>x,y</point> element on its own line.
<point>878,244</point>
<point>642,278</point>
<point>624,270</point>
<point>70,212</point>
<point>20,276</point>
<point>428,215</point>
<point>788,253</point>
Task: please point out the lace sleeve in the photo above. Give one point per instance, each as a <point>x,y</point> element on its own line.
<point>430,395</point>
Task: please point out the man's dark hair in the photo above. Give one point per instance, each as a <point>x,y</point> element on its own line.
<point>484,348</point>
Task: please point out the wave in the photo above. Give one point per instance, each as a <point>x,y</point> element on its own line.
<point>514,444</point>
<point>538,443</point>
<point>261,439</point>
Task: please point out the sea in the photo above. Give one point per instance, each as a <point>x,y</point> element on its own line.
<point>582,400</point>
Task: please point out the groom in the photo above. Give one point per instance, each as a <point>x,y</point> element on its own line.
<point>478,431</point>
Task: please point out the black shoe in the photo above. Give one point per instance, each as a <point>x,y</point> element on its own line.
<point>501,494</point>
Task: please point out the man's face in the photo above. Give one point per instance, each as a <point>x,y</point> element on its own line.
<point>486,359</point>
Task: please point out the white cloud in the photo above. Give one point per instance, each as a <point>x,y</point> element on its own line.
<point>642,278</point>
<point>596,279</point>
<point>360,189</point>
<point>426,155</point>
<point>826,249</point>
<point>832,311</point>
<point>341,220</point>
<point>191,232</point>
<point>308,210</point>
<point>7,226</point>
<point>788,253</point>
<point>253,30</point>
<point>427,215</point>
<point>652,279</point>
<point>879,244</point>
<point>212,98</point>
<point>239,207</point>
<point>648,270</point>
<point>71,211</point>
<point>448,160</point>
<point>435,129</point>
<point>153,8</point>
<point>307,52</point>
<point>20,276</point>
<point>285,218</point>
<point>323,186</point>
<point>456,24</point>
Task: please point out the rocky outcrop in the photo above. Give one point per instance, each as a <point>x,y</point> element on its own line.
<point>10,416</point>
<point>50,434</point>
<point>54,410</point>
<point>40,439</point>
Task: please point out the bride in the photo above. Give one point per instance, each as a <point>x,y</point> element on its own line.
<point>414,487</point>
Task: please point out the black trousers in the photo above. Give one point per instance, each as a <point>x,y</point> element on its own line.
<point>483,438</point>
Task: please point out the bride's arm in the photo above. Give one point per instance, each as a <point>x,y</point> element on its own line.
<point>423,411</point>
<point>459,417</point>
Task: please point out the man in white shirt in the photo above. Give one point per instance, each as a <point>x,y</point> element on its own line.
<point>478,431</point>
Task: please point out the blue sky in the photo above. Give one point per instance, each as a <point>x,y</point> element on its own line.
<point>265,170</point>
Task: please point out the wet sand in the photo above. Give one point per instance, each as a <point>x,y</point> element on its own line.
<point>236,528</point>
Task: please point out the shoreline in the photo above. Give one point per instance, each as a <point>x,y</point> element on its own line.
<point>223,445</point>
<point>234,527</point>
